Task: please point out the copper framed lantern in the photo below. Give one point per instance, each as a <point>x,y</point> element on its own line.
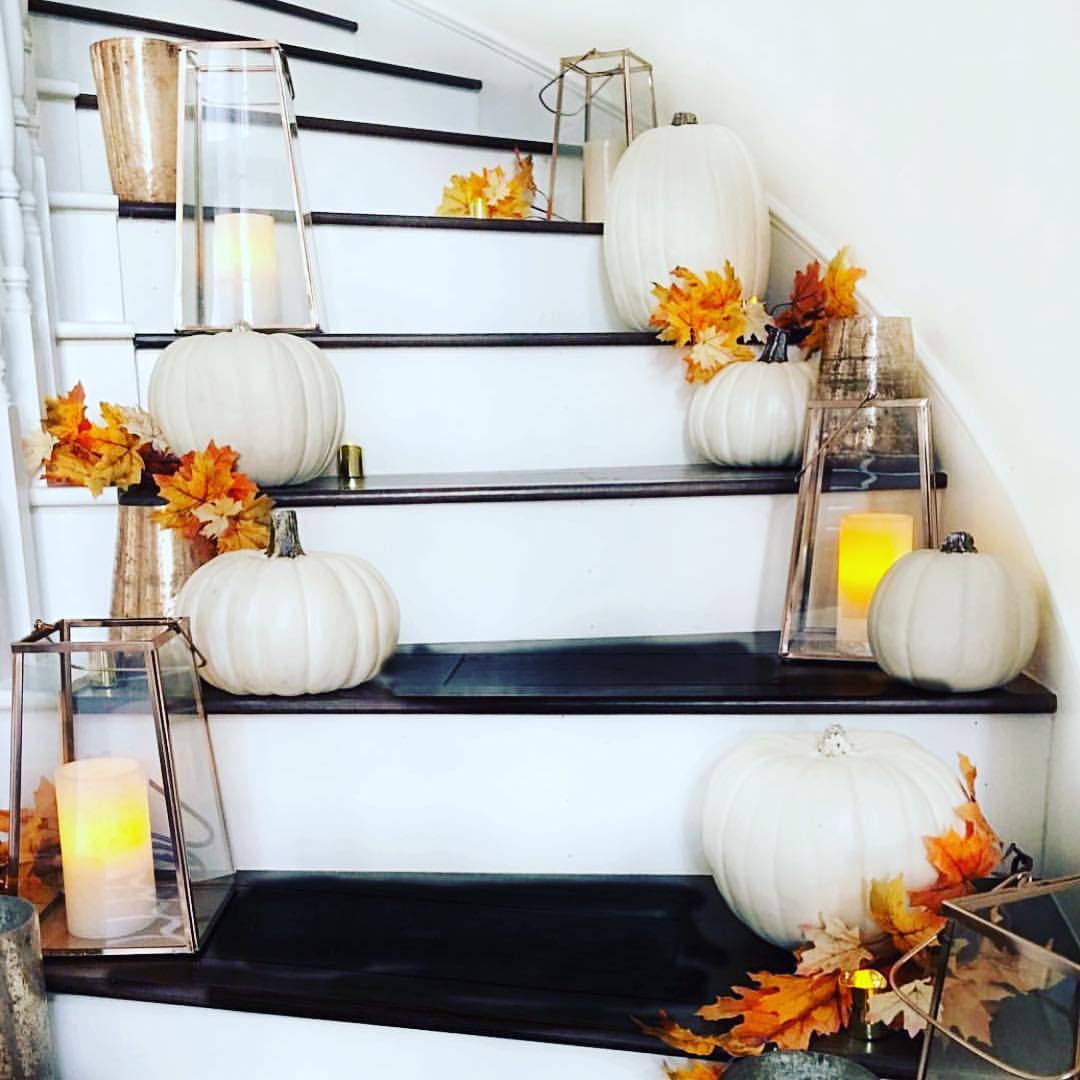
<point>1006,995</point>
<point>610,99</point>
<point>116,830</point>
<point>867,490</point>
<point>243,249</point>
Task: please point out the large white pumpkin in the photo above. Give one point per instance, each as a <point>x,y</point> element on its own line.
<point>274,398</point>
<point>798,824</point>
<point>752,413</point>
<point>286,622</point>
<point>953,619</point>
<point>683,195</point>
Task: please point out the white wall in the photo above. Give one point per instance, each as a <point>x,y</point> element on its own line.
<point>939,139</point>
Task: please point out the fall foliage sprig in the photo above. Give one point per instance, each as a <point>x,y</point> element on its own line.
<point>208,500</point>
<point>710,317</point>
<point>76,452</point>
<point>786,1010</point>
<point>501,196</point>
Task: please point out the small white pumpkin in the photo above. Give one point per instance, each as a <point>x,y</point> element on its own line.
<point>274,398</point>
<point>797,825</point>
<point>285,622</point>
<point>953,619</point>
<point>753,413</point>
<point>686,194</point>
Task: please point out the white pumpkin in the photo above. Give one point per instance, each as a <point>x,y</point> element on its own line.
<point>683,195</point>
<point>953,619</point>
<point>274,398</point>
<point>285,622</point>
<point>798,824</point>
<point>753,413</point>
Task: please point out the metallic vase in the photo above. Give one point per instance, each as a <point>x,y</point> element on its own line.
<point>136,87</point>
<point>25,1039</point>
<point>151,565</point>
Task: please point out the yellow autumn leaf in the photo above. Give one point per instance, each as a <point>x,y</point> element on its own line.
<point>907,926</point>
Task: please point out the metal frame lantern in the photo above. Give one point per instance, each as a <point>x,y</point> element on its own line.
<point>1014,953</point>
<point>116,830</point>
<point>867,489</point>
<point>243,253</point>
<point>627,115</point>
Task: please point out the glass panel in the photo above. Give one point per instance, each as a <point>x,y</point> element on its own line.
<point>206,843</point>
<point>99,857</point>
<point>1010,1001</point>
<point>244,252</point>
<point>861,507</point>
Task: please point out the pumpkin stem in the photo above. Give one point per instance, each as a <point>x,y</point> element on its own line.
<point>776,343</point>
<point>284,536</point>
<point>681,119</point>
<point>834,742</point>
<point>959,543</point>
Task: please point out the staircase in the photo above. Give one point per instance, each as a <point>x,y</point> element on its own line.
<point>524,818</point>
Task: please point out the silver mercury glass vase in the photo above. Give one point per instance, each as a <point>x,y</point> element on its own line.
<point>26,1051</point>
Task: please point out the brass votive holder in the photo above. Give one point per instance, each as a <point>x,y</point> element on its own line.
<point>350,464</point>
<point>863,984</point>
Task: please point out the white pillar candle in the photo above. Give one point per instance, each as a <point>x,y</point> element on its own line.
<point>869,544</point>
<point>105,847</point>
<point>245,270</point>
<point>600,158</point>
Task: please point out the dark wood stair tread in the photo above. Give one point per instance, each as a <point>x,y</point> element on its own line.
<point>339,22</point>
<point>560,959</point>
<point>167,212</point>
<point>545,485</point>
<point>609,338</point>
<point>139,23</point>
<point>721,674</point>
<point>383,131</point>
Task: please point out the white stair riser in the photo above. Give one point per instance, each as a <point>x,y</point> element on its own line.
<point>507,571</point>
<point>462,409</point>
<point>87,259</point>
<point>357,173</point>
<point>544,794</point>
<point>62,50</point>
<point>395,280</point>
<point>101,357</point>
<point>541,794</point>
<point>136,1040</point>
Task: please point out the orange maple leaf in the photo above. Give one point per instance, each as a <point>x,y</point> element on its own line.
<point>960,859</point>
<point>65,416</point>
<point>501,196</point>
<point>907,926</point>
<point>784,1010</point>
<point>678,1037</point>
<point>696,1070</point>
<point>815,299</point>
<point>705,314</point>
<point>206,497</point>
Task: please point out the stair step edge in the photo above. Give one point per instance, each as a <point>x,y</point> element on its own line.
<point>56,9</point>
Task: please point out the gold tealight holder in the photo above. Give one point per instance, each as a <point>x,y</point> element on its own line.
<point>863,984</point>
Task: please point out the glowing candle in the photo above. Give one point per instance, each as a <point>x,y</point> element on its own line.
<point>863,984</point>
<point>600,158</point>
<point>245,278</point>
<point>869,545</point>
<point>105,847</point>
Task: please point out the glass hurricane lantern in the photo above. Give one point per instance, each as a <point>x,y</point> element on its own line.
<point>866,490</point>
<point>242,246</point>
<point>133,856</point>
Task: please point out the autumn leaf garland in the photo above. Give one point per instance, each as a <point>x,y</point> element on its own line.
<point>498,195</point>
<point>787,1010</point>
<point>207,498</point>
<point>709,317</point>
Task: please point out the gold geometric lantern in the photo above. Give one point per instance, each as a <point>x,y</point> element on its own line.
<point>867,488</point>
<point>1006,997</point>
<point>243,253</point>
<point>117,831</point>
<point>613,95</point>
